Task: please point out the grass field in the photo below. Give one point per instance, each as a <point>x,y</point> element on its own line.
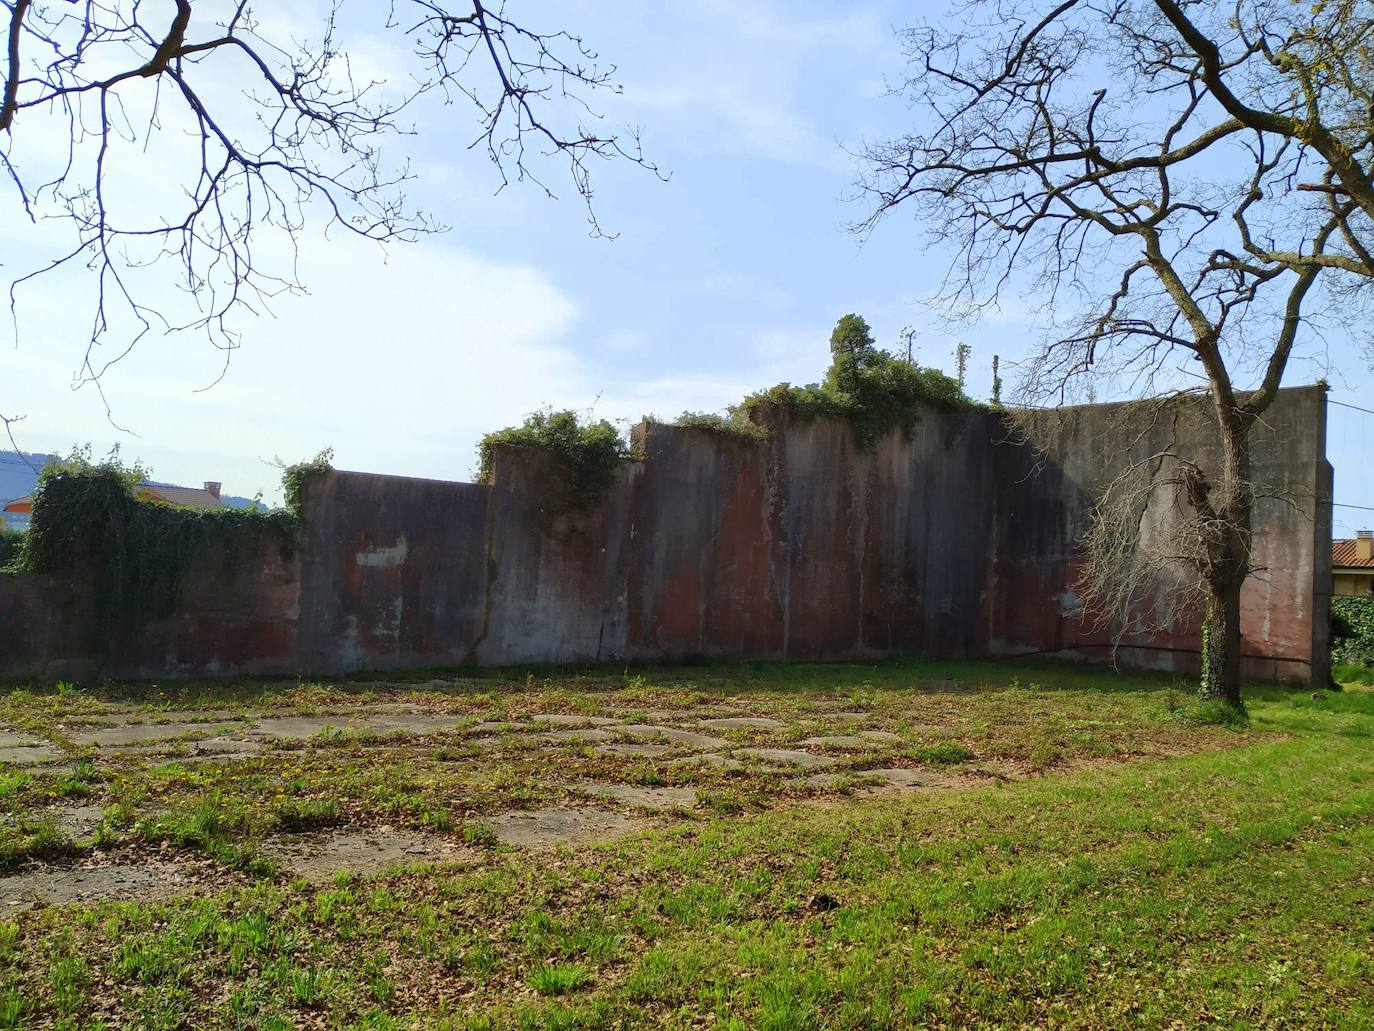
<point>971,844</point>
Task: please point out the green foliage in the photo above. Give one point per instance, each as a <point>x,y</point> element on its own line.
<point>587,453</point>
<point>1352,630</point>
<point>734,424</point>
<point>1349,673</point>
<point>11,548</point>
<point>875,391</point>
<point>557,979</point>
<point>295,477</point>
<point>87,521</point>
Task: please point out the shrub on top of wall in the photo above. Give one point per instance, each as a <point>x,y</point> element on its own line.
<point>1352,630</point>
<point>732,425</point>
<point>871,389</point>
<point>588,453</point>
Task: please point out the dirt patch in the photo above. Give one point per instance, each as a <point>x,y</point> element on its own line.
<point>548,828</point>
<point>319,856</point>
<point>60,886</point>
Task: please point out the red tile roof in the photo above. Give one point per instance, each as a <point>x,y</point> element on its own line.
<point>182,497</point>
<point>1343,555</point>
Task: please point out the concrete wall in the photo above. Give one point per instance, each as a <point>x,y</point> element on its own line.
<point>959,541</point>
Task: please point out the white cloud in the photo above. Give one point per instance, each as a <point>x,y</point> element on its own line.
<point>400,364</point>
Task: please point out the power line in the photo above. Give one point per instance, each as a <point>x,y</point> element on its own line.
<point>1362,508</point>
<point>1343,404</point>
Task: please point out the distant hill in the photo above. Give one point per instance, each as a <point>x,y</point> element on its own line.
<point>19,473</point>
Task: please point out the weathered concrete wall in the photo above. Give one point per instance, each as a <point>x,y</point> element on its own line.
<point>1045,500</point>
<point>392,572</point>
<point>959,541</point>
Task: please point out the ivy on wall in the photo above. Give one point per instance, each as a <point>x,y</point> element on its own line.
<point>1352,630</point>
<point>88,521</point>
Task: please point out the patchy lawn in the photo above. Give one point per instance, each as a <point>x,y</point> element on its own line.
<point>907,844</point>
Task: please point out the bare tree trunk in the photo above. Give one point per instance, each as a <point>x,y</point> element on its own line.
<point>1221,644</point>
<point>1224,521</point>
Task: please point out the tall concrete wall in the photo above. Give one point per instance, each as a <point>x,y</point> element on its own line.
<point>956,541</point>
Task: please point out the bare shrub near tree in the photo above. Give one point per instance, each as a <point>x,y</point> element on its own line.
<point>266,127</point>
<point>1171,182</point>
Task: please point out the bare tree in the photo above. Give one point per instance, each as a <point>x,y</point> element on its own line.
<point>1174,182</point>
<point>259,127</point>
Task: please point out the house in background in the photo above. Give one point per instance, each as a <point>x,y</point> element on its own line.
<point>1352,565</point>
<point>17,511</point>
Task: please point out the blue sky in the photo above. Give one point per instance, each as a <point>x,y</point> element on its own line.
<point>724,279</point>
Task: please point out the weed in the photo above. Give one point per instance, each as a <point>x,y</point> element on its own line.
<point>308,814</point>
<point>479,832</point>
<point>557,979</point>
<point>947,752</point>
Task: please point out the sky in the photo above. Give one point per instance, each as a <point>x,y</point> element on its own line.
<point>724,279</point>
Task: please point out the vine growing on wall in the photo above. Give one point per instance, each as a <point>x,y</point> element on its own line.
<point>295,477</point>
<point>88,521</point>
<point>1352,630</point>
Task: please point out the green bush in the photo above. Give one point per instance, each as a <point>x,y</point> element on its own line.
<point>1352,674</point>
<point>589,454</point>
<point>1352,631</point>
<point>733,425</point>
<point>11,547</point>
<point>875,391</point>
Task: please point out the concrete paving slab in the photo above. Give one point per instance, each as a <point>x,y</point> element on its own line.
<point>671,735</point>
<point>838,741</point>
<point>644,797</point>
<point>137,733</point>
<point>60,886</point>
<point>920,779</point>
<point>634,748</point>
<point>563,719</point>
<point>723,762</point>
<point>28,756</point>
<point>319,856</point>
<point>548,828</point>
<point>787,757</point>
<point>744,723</point>
<point>584,735</point>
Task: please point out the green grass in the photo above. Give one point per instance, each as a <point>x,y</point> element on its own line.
<point>1353,674</point>
<point>1159,864</point>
